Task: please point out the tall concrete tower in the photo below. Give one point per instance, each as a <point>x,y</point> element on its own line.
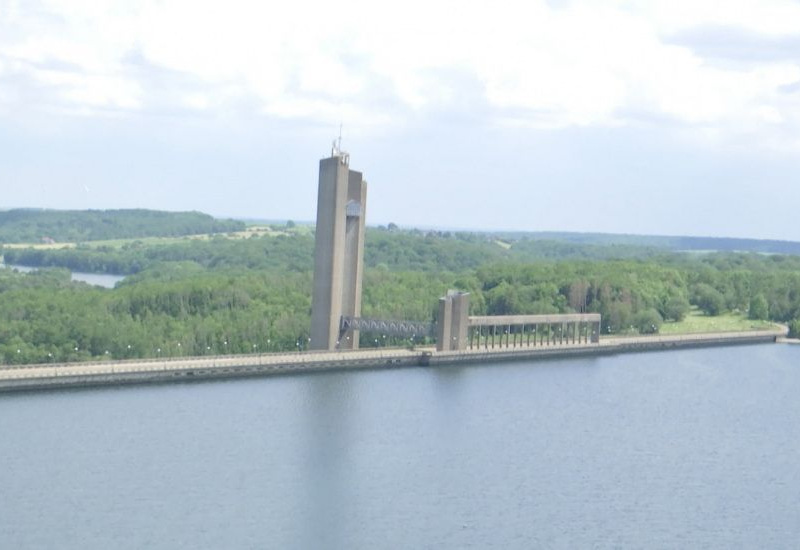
<point>338,252</point>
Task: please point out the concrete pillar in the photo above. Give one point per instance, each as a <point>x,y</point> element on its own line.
<point>453,322</point>
<point>338,252</point>
<point>326,300</point>
<point>595,333</point>
<point>460,320</point>
<point>444,324</point>
<point>355,211</point>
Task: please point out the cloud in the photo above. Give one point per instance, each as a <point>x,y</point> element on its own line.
<point>519,62</point>
<point>726,44</point>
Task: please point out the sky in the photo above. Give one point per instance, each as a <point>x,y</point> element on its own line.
<point>678,117</point>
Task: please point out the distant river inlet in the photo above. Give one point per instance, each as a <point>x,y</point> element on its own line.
<point>98,279</point>
<point>694,448</point>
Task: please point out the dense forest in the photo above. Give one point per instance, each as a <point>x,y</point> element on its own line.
<point>715,244</point>
<point>60,226</point>
<point>253,295</point>
<point>406,250</point>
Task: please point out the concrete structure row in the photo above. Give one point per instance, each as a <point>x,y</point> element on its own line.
<point>338,271</point>
<point>532,330</point>
<point>457,331</point>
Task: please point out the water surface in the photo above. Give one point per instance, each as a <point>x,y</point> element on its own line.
<point>105,280</point>
<point>684,449</point>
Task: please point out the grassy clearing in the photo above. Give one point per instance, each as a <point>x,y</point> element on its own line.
<point>696,322</point>
<point>253,230</point>
<point>40,246</point>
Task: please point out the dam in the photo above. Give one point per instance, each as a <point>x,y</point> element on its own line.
<point>187,369</point>
<point>336,322</point>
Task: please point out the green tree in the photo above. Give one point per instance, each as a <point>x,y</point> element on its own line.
<point>616,317</point>
<point>502,300</point>
<point>794,329</point>
<point>676,308</point>
<point>708,299</point>
<point>759,309</point>
<point>647,321</point>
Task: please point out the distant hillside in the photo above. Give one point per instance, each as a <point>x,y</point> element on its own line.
<point>675,244</point>
<point>36,226</point>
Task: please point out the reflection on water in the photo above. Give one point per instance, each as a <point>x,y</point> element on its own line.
<point>98,279</point>
<point>328,423</point>
<point>693,448</point>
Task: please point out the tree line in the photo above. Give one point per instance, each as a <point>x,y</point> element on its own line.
<point>412,250</point>
<point>216,301</point>
<point>36,225</point>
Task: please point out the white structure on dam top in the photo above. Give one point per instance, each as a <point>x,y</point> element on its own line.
<point>338,252</point>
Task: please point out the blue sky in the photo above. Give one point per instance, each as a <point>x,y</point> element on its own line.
<point>676,117</point>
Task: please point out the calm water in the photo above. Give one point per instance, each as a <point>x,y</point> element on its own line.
<point>98,279</point>
<point>689,449</point>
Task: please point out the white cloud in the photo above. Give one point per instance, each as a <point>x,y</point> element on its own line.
<point>589,63</point>
<point>771,17</point>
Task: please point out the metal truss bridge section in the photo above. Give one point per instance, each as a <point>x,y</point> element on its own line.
<point>389,328</point>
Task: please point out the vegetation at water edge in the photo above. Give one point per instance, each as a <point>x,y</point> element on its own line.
<point>253,295</point>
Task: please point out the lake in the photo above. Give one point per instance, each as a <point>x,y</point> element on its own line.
<point>683,449</point>
<point>98,279</point>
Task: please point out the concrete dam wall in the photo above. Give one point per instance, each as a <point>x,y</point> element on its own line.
<point>37,377</point>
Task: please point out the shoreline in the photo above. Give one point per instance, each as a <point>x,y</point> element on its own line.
<point>186,369</point>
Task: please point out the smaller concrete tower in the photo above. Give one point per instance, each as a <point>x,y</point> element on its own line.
<point>453,322</point>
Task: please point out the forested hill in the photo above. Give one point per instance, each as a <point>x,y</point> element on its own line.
<point>33,225</point>
<point>672,243</point>
<point>294,250</point>
<point>242,295</point>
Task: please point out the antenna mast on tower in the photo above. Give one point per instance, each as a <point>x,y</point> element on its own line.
<point>336,148</point>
